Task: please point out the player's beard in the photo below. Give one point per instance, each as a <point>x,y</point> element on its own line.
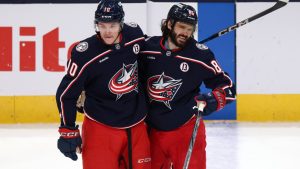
<point>174,36</point>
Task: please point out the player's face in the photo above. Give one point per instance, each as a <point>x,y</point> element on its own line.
<point>109,32</point>
<point>181,33</point>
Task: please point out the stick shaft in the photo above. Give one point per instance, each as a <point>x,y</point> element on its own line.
<point>279,4</point>
<point>192,142</point>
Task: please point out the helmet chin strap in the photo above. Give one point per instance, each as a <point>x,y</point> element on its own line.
<point>117,38</point>
<point>121,27</point>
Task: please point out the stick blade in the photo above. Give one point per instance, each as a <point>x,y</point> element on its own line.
<point>285,1</point>
<point>281,3</point>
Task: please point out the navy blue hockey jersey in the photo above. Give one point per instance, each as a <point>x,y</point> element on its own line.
<point>109,76</point>
<point>173,78</point>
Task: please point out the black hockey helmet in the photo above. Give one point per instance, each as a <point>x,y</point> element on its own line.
<point>109,11</point>
<point>184,13</point>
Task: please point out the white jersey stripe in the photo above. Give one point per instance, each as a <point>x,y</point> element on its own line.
<point>229,80</point>
<point>133,41</point>
<point>151,52</point>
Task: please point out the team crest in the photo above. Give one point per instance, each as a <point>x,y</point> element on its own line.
<point>81,47</point>
<point>125,80</point>
<point>162,88</point>
<point>132,24</point>
<point>201,46</point>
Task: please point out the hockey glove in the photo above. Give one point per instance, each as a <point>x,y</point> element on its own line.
<point>215,100</point>
<point>69,141</point>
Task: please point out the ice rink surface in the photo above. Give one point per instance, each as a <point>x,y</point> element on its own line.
<point>230,145</point>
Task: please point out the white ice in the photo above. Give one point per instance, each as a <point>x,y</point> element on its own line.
<point>230,145</point>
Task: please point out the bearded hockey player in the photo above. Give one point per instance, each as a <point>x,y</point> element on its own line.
<point>174,66</point>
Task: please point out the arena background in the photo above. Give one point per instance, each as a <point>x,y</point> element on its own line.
<point>262,57</point>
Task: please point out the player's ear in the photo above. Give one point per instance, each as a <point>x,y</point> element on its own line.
<point>169,24</point>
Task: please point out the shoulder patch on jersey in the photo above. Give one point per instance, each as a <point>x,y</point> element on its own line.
<point>201,46</point>
<point>132,24</point>
<point>81,47</point>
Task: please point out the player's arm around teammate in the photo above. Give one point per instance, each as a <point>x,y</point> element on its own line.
<point>105,67</point>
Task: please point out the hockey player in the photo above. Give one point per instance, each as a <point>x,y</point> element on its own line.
<point>105,67</point>
<point>174,66</point>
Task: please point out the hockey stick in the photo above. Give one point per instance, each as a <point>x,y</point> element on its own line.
<point>279,4</point>
<point>128,130</point>
<point>200,108</point>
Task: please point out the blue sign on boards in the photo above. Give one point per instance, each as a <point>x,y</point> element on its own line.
<point>213,17</point>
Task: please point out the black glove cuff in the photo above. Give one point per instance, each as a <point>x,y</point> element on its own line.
<point>69,127</point>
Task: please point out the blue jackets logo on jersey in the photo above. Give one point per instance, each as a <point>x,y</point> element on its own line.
<point>125,80</point>
<point>162,88</point>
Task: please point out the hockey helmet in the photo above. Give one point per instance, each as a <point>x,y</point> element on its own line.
<point>184,13</point>
<point>109,11</point>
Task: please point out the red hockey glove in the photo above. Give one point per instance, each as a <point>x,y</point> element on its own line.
<point>215,100</point>
<point>69,141</point>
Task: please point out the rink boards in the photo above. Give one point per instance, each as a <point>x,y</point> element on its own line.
<point>260,57</point>
<point>250,107</point>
